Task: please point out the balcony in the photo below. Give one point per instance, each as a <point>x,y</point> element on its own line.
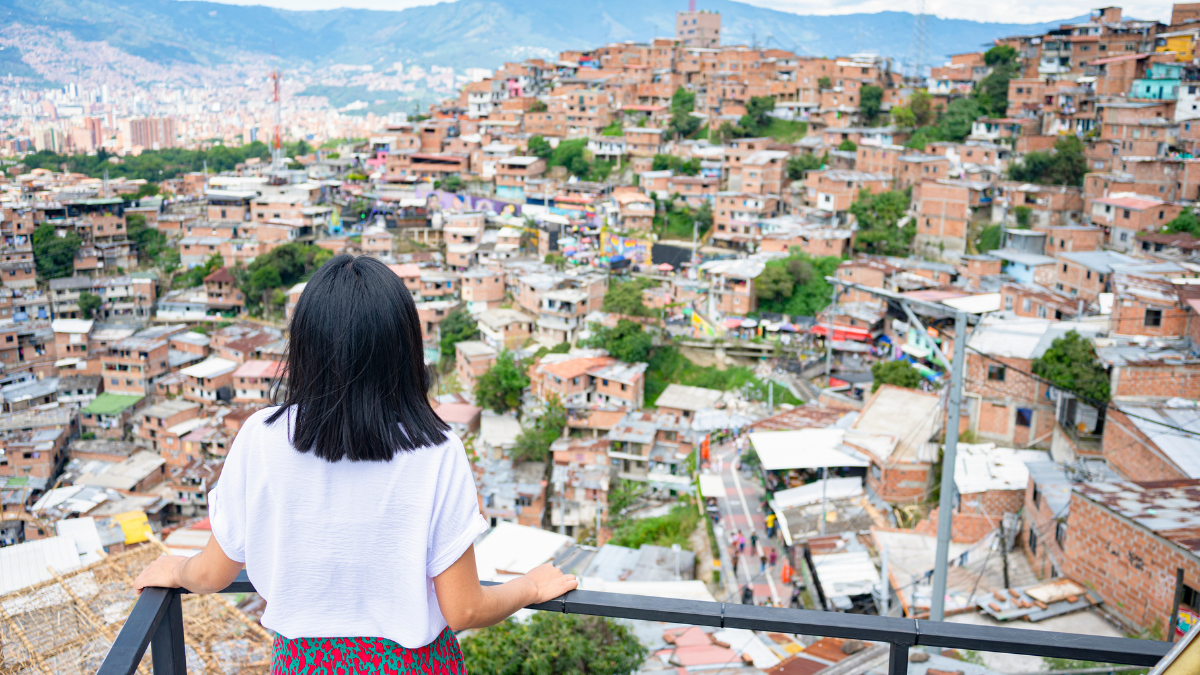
<point>156,621</point>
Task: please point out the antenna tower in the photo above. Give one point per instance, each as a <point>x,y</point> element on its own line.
<point>920,35</point>
<point>277,142</point>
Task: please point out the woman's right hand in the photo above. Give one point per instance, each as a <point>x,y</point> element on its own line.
<point>551,582</point>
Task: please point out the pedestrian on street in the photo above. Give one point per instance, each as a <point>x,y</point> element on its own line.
<point>734,557</point>
<point>772,558</point>
<point>741,543</point>
<point>770,526</point>
<point>753,540</point>
<point>762,564</point>
<point>740,442</point>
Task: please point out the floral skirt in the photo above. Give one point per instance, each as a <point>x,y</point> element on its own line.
<point>366,656</point>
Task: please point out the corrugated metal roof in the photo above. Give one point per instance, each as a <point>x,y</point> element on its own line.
<point>1170,512</point>
<point>1180,447</point>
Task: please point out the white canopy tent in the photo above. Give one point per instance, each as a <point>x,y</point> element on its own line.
<point>802,449</point>
<point>711,485</point>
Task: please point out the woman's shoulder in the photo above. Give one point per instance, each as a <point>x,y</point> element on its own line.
<point>261,422</point>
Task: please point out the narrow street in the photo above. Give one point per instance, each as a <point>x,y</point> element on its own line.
<point>741,511</point>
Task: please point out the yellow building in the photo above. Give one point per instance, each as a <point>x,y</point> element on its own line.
<point>1182,42</point>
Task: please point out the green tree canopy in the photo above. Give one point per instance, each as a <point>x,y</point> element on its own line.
<point>89,303</point>
<point>878,216</point>
<point>675,527</point>
<point>899,373</point>
<point>551,643</point>
<point>627,341</point>
<point>151,165</point>
<point>1186,222</point>
<point>992,91</point>
<point>847,146</point>
<point>1064,165</point>
<point>689,167</point>
<point>626,298</point>
<point>501,386</point>
<point>802,275</point>
<point>451,183</point>
<point>456,327</point>
<point>533,443</point>
<point>757,117</point>
<point>683,124</point>
<point>55,255</point>
<point>540,147</point>
<point>284,267</point>
<point>870,101</point>
<point>1071,364</point>
<point>798,164</point>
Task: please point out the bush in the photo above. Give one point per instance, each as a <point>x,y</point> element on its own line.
<point>552,643</point>
<point>501,386</point>
<point>674,528</point>
<point>899,373</point>
<point>628,341</point>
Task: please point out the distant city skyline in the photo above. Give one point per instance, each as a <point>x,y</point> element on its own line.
<point>1015,11</point>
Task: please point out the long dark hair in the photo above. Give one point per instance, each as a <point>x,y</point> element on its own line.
<point>356,372</point>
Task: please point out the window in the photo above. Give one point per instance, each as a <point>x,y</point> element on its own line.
<point>1032,540</point>
<point>1008,303</point>
<point>1026,305</point>
<point>1153,317</point>
<point>1060,533</point>
<point>1024,417</point>
<point>1064,267</point>
<point>996,373</point>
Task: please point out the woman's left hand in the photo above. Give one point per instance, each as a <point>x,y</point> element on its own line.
<point>162,572</point>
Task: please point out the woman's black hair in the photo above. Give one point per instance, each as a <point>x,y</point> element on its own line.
<point>357,379</point>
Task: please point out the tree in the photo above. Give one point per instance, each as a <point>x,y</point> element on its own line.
<point>757,116</point>
<point>195,276</point>
<point>847,146</point>
<point>540,147</point>
<point>804,276</point>
<point>989,239</point>
<point>552,643</point>
<point>1071,364</point>
<point>774,284</point>
<point>54,255</point>
<point>570,154</point>
<point>797,165</point>
<point>501,386</point>
<point>674,528</point>
<point>1023,215</point>
<point>1064,165</point>
<point>878,216</point>
<point>89,303</point>
<point>992,91</point>
<point>683,124</point>
<point>627,341</point>
<point>902,116</point>
<point>621,495</point>
<point>456,327</point>
<point>1186,222</point>
<point>538,106</point>
<point>626,298</point>
<point>451,183</point>
<point>870,101</point>
<point>824,83</point>
<point>284,266</point>
<point>899,373</point>
<point>921,106</point>
<point>533,443</point>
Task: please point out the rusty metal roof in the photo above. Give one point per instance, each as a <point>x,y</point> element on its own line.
<point>1170,512</point>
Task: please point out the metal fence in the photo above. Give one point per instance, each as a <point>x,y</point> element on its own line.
<point>157,621</point>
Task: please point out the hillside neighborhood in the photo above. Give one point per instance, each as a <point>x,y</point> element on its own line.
<point>693,309</point>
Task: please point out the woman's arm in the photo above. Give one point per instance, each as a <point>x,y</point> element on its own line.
<point>466,604</point>
<point>206,572</point>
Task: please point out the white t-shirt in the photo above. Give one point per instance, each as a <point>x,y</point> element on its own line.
<point>345,549</point>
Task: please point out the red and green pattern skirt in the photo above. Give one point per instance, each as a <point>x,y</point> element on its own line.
<point>366,656</point>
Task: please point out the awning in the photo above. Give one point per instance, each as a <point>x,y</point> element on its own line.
<point>749,323</point>
<point>802,449</point>
<point>916,351</point>
<point>842,332</point>
<point>835,488</point>
<point>731,323</point>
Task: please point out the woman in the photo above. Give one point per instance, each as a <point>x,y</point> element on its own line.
<point>351,506</point>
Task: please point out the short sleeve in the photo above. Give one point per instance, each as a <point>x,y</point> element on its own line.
<point>456,521</point>
<point>227,501</point>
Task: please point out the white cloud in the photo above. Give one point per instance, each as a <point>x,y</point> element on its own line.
<point>1010,11</point>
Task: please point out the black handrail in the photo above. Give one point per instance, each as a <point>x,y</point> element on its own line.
<point>158,617</point>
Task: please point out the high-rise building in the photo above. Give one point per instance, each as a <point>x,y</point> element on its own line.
<point>152,132</point>
<point>698,29</point>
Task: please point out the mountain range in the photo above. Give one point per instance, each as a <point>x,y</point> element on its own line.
<point>469,33</point>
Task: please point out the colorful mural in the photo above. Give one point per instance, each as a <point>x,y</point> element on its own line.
<point>627,248</point>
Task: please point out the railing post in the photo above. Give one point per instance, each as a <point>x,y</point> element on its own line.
<point>898,659</point>
<point>166,647</point>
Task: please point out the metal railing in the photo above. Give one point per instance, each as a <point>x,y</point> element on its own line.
<point>157,621</point>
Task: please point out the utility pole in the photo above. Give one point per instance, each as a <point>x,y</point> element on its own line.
<point>829,337</point>
<point>937,605</point>
<point>1003,549</point>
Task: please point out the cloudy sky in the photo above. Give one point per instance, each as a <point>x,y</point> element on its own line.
<point>1007,11</point>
